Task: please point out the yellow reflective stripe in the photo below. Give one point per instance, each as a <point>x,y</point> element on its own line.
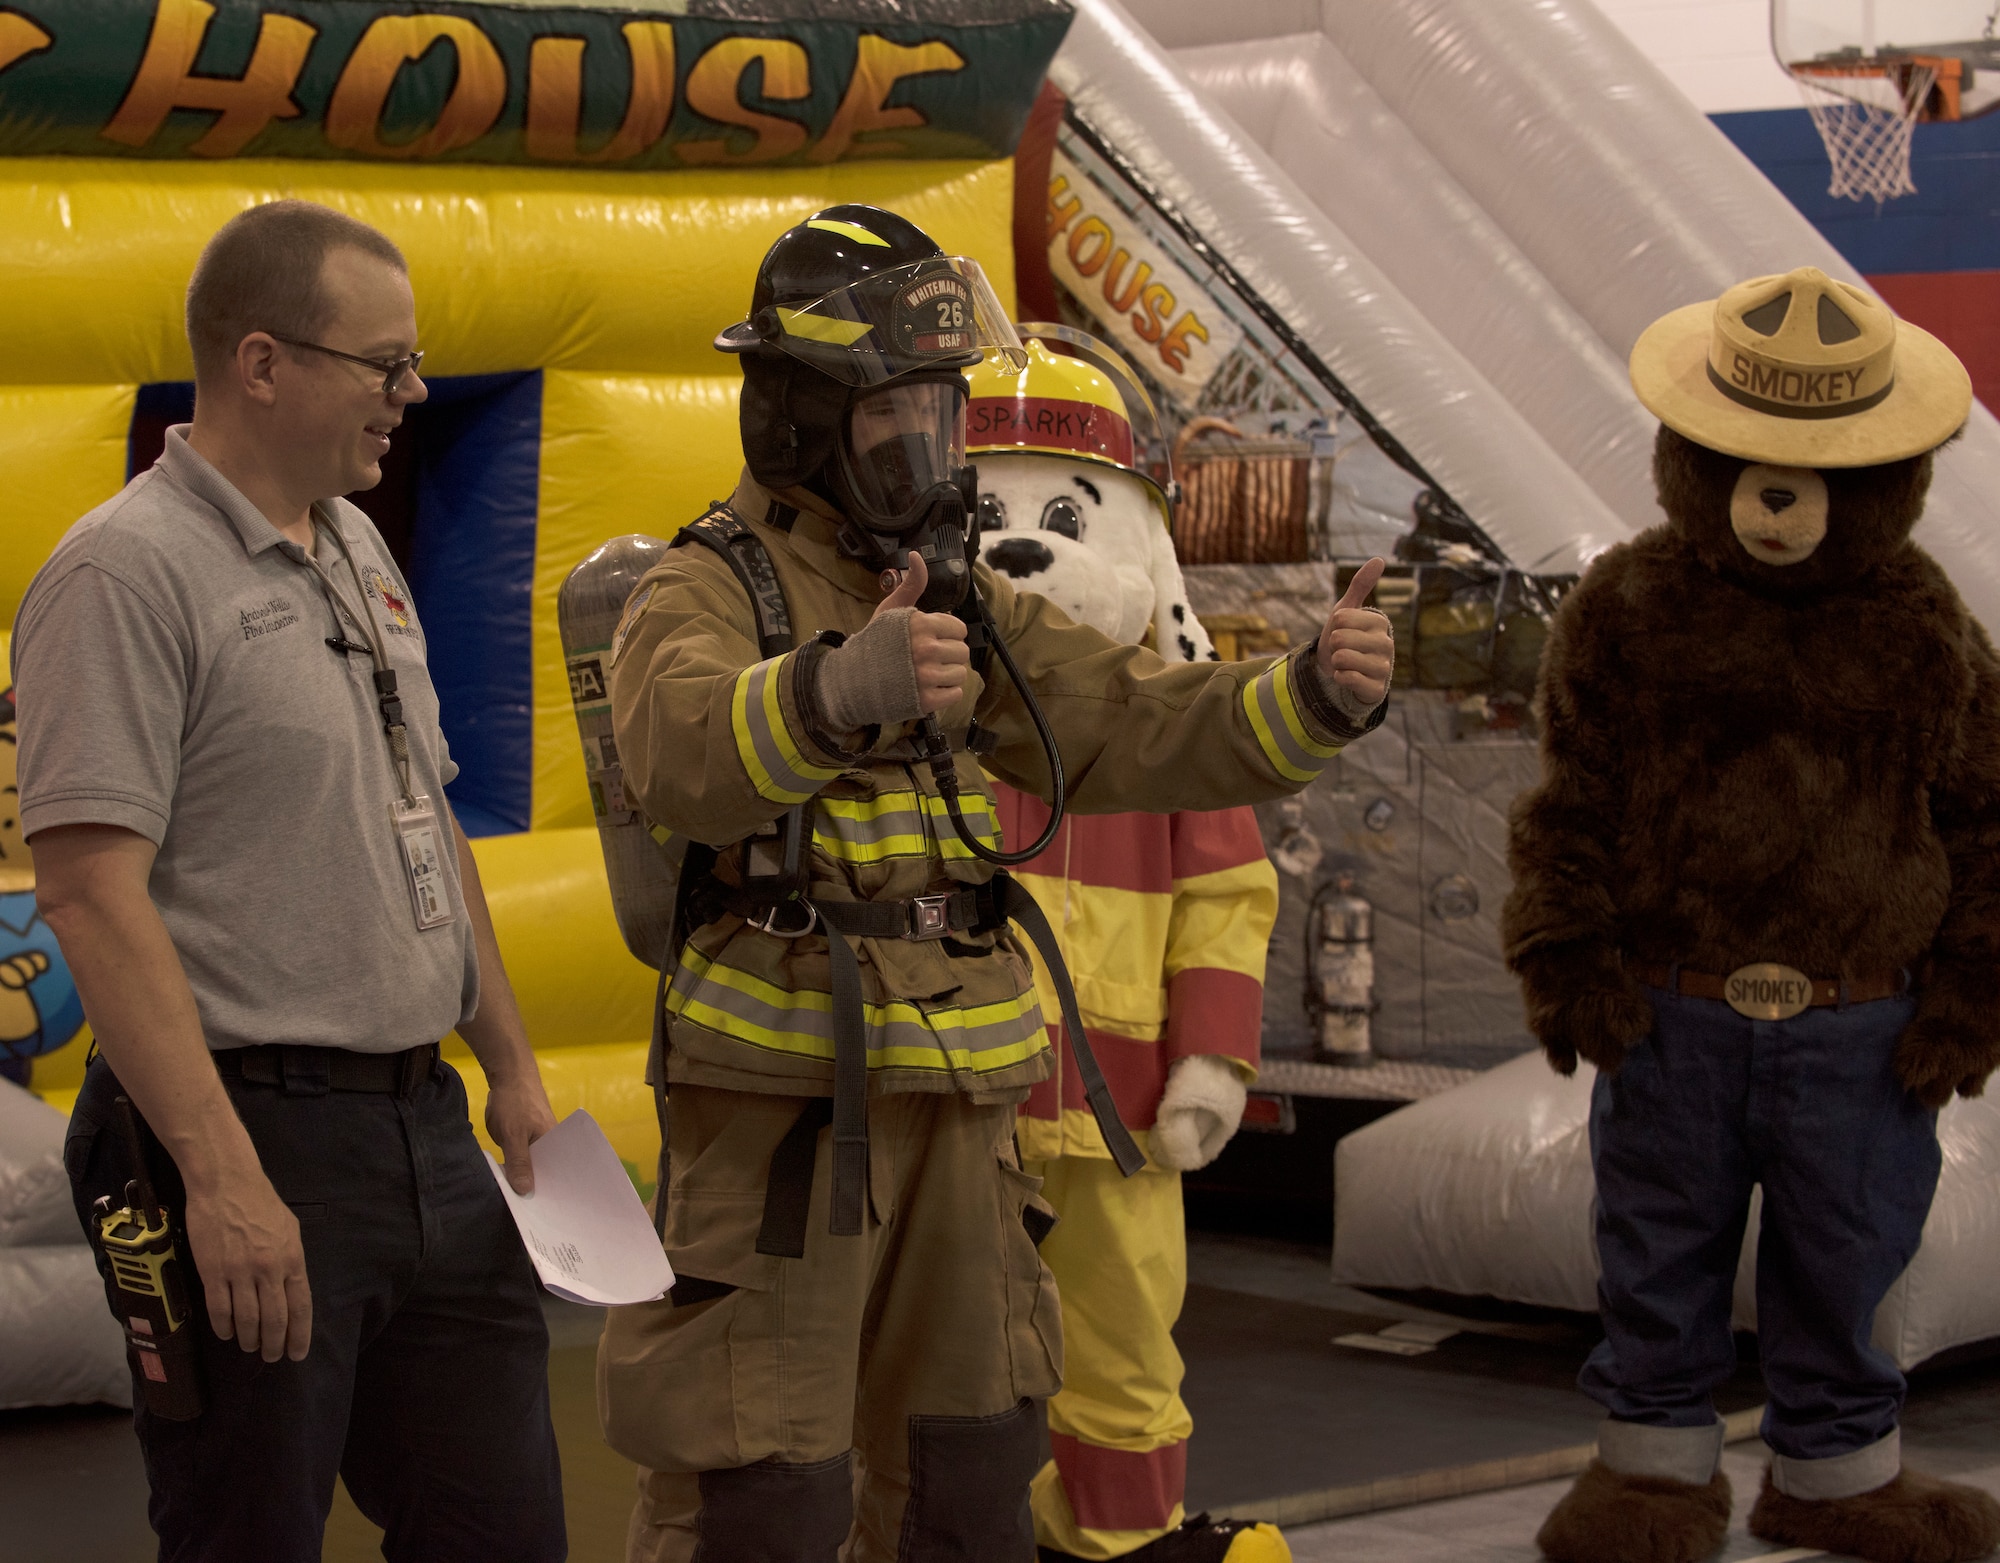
<point>1272,706</point>
<point>847,230</point>
<point>770,755</point>
<point>1288,705</point>
<point>979,818</point>
<point>892,825</point>
<point>747,1008</point>
<point>822,328</point>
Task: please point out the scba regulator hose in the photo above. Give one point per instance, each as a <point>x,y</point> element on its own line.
<point>945,772</point>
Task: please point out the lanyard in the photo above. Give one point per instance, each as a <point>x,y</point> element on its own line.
<point>386,698</point>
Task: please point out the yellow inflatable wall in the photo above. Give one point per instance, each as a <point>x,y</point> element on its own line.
<point>612,284</point>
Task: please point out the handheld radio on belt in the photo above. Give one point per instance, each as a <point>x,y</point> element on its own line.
<point>137,1242</point>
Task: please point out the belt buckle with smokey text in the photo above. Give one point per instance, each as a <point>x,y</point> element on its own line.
<point>1765,990</point>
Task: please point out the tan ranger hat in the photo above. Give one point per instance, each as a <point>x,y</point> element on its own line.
<point>1801,371</point>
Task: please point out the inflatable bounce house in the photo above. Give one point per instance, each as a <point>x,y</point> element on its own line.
<point>583,196</point>
<point>1379,267</point>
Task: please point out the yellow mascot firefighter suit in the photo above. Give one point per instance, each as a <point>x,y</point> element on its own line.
<point>848,1363</point>
<point>1163,920</point>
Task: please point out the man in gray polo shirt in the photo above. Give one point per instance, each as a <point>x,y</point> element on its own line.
<point>233,777</point>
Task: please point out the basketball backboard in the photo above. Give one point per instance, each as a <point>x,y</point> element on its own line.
<point>1955,37</point>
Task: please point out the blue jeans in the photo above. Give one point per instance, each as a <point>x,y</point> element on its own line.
<point>426,1385</point>
<point>1704,1108</point>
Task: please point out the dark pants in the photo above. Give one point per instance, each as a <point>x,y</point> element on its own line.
<point>1706,1107</point>
<point>426,1385</point>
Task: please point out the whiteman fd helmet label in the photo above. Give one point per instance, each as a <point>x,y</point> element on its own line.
<point>935,317</point>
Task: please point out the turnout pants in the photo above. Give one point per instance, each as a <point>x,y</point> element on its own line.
<point>1119,1428</point>
<point>426,1383</point>
<point>877,1392</point>
<point>1707,1106</point>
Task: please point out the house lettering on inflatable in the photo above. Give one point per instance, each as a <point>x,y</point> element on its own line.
<point>583,195</point>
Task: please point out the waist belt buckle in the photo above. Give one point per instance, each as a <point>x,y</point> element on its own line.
<point>930,917</point>
<point>1766,990</point>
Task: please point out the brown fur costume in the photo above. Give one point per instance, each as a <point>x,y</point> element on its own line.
<point>1652,1520</point>
<point>1752,762</point>
<point>1914,1519</point>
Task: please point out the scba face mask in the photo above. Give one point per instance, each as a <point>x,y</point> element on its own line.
<point>902,477</point>
<point>904,445</point>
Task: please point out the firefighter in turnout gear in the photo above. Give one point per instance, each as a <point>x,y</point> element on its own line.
<point>862,1323</point>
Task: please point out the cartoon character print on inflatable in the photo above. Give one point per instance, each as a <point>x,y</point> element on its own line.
<point>1170,981</point>
<point>1757,888</point>
<point>39,1007</point>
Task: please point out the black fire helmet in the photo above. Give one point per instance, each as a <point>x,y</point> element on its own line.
<point>846,301</point>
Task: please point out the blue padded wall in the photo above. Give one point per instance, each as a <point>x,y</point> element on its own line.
<point>472,569</point>
<point>1952,223</point>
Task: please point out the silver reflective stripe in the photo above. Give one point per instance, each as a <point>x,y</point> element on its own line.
<point>770,755</point>
<point>749,1009</point>
<point>1282,733</point>
<point>893,825</point>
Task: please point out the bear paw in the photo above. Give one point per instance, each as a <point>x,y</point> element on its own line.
<point>1913,1519</point>
<point>1609,1517</point>
<point>1941,1054</point>
<point>1593,1018</point>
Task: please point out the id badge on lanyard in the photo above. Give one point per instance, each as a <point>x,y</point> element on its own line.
<point>423,861</point>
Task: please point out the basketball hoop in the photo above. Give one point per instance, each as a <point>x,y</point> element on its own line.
<point>1865,109</point>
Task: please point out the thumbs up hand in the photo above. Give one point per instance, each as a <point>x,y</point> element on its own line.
<point>1357,650</point>
<point>905,664</point>
<point>937,640</point>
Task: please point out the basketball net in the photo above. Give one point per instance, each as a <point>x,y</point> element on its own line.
<point>1864,115</point>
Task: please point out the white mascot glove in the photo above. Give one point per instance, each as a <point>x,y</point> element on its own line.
<point>1201,1109</point>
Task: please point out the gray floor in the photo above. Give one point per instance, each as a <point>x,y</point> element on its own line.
<point>1951,1427</point>
<point>1295,1272</point>
<point>1280,1409</point>
<point>1292,1416</point>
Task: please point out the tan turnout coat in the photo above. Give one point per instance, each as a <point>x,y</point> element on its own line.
<point>715,745</point>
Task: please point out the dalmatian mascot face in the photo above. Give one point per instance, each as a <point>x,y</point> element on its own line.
<point>1063,511</point>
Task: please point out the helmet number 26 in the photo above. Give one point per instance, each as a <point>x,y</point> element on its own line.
<point>950,314</point>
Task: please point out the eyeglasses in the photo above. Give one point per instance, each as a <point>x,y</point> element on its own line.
<point>393,369</point>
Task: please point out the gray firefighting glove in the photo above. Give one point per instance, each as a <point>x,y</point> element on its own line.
<point>870,679</point>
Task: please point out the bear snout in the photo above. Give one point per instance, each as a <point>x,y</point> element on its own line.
<point>1020,556</point>
<point>1779,513</point>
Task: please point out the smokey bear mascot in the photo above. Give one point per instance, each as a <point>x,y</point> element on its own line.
<point>1758,887</point>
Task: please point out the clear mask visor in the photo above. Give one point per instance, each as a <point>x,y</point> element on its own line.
<point>903,443</point>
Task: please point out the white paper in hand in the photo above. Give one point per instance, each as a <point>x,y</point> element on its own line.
<point>590,1238</point>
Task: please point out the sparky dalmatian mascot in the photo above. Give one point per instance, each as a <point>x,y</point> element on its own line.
<point>1163,919</point>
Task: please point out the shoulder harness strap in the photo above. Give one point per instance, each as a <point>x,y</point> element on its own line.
<point>729,535</point>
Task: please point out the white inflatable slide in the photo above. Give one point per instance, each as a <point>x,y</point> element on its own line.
<point>1470,209</point>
